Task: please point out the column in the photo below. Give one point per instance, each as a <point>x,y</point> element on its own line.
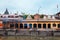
<point>28,25</point>
<point>42,25</point>
<point>46,25</point>
<point>9,25</point>
<point>37,25</point>
<point>23,25</point>
<point>51,25</point>
<point>14,25</point>
<point>18,25</point>
<point>32,25</point>
<point>56,25</point>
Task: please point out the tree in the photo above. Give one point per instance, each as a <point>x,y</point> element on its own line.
<point>41,16</point>
<point>24,15</point>
<point>32,16</point>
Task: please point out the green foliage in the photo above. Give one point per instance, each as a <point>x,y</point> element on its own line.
<point>41,16</point>
<point>32,16</point>
<point>25,16</point>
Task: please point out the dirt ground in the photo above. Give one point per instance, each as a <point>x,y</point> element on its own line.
<point>28,38</point>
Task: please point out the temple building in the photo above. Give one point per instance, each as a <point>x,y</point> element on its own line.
<point>48,22</point>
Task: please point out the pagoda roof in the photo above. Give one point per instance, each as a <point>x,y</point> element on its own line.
<point>6,11</point>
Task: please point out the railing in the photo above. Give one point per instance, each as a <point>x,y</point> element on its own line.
<point>8,18</point>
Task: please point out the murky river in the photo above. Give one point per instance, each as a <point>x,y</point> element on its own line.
<point>28,38</point>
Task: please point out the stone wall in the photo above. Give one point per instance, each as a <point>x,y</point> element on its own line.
<point>29,33</point>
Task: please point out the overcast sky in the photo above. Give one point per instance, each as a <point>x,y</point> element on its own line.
<point>30,6</point>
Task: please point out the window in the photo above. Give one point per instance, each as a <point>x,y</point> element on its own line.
<point>49,25</point>
<point>35,25</point>
<point>12,16</point>
<point>4,17</point>
<point>39,25</point>
<point>25,26</point>
<point>8,16</point>
<point>21,25</point>
<point>16,25</point>
<point>44,25</point>
<point>1,16</point>
<point>30,25</point>
<point>58,25</point>
<point>11,25</point>
<point>16,16</point>
<point>54,25</point>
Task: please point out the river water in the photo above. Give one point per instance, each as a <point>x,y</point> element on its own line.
<point>28,38</point>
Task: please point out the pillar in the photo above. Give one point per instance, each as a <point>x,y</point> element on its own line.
<point>14,25</point>
<point>27,25</point>
<point>18,25</point>
<point>46,25</point>
<point>32,25</point>
<point>51,25</point>
<point>56,25</point>
<point>37,25</point>
<point>23,25</point>
<point>42,25</point>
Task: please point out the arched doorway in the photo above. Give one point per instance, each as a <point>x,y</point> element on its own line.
<point>12,25</point>
<point>16,25</point>
<point>44,26</point>
<point>39,25</point>
<point>49,26</point>
<point>34,25</point>
<point>25,26</point>
<point>21,26</point>
<point>58,25</point>
<point>30,25</point>
<point>54,25</point>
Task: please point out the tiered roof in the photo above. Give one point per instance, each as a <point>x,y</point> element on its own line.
<point>29,17</point>
<point>6,12</point>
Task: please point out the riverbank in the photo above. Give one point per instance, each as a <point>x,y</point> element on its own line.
<point>28,33</point>
<point>28,38</point>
